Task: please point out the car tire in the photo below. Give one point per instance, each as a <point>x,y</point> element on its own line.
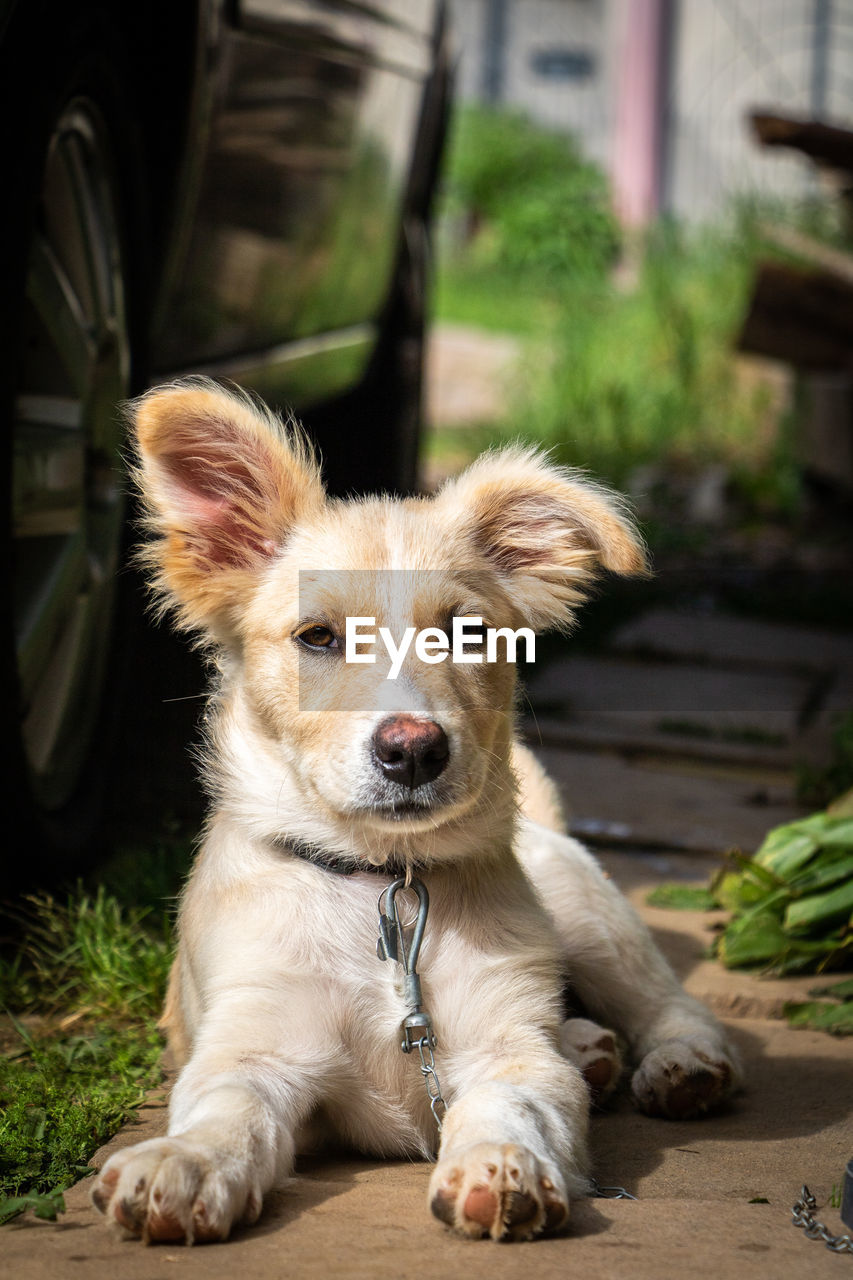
<point>70,357</point>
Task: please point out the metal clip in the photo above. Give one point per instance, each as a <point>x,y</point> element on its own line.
<point>417,1029</point>
<point>386,943</point>
<point>391,944</point>
<point>417,1025</point>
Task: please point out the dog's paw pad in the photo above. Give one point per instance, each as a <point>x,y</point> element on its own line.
<point>681,1080</point>
<point>595,1053</point>
<point>481,1206</point>
<point>556,1206</point>
<point>102,1192</point>
<point>499,1191</point>
<point>168,1189</point>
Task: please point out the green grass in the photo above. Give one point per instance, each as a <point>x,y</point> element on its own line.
<point>87,954</point>
<point>542,211</point>
<point>618,379</point>
<point>62,1096</point>
<point>80,991</point>
<point>467,293</point>
<point>627,371</point>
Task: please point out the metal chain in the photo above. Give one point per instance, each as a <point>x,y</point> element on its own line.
<point>417,1025</point>
<point>803,1213</point>
<point>431,1081</point>
<point>609,1193</point>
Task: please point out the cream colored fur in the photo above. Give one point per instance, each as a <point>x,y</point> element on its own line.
<point>285,1023</point>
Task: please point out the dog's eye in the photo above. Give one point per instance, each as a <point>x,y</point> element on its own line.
<point>476,635</point>
<point>318,637</point>
<point>473,635</point>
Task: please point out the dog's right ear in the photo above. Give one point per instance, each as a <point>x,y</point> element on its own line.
<point>224,483</point>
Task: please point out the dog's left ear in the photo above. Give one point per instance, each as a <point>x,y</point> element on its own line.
<point>548,530</point>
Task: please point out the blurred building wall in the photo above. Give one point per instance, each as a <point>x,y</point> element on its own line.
<point>573,64</point>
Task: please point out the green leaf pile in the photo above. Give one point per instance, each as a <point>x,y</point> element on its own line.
<point>792,903</point>
<point>682,897</point>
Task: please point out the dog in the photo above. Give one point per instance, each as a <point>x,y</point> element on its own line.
<point>332,787</point>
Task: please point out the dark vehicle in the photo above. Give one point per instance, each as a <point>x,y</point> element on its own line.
<point>240,189</point>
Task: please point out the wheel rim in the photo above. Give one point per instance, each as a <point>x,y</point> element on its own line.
<point>66,489</point>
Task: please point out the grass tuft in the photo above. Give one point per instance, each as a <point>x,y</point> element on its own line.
<point>80,1046</point>
<point>88,956</point>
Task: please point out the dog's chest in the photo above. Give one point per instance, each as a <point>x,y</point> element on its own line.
<point>378,1101</point>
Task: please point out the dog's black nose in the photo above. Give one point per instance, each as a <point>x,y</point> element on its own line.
<point>409,750</point>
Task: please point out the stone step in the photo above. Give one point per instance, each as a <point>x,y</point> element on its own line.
<point>667,805</point>
<point>700,746</point>
<point>761,708</point>
<point>726,639</point>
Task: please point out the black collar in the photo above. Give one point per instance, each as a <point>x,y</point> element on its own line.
<point>343,864</point>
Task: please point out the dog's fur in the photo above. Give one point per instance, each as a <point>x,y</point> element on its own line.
<point>285,1025</point>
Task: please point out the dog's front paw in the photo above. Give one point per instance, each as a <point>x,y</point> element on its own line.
<point>502,1191</point>
<point>173,1189</point>
<point>681,1079</point>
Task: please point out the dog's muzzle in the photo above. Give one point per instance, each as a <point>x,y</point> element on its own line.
<point>409,750</point>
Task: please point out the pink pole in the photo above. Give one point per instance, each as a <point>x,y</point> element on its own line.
<point>637,158</point>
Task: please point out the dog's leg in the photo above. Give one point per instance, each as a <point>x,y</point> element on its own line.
<point>231,1138</point>
<point>686,1065</point>
<point>513,1148</point>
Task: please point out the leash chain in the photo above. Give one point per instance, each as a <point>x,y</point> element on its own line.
<point>803,1216</point>
<point>437,1105</point>
<point>609,1193</point>
<point>417,1025</point>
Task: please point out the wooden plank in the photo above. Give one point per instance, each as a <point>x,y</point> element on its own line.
<point>825,144</point>
<point>800,316</point>
<point>814,253</point>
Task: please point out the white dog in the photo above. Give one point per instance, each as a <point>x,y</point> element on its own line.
<point>330,781</point>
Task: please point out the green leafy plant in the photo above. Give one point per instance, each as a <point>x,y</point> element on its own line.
<point>630,373</point>
<point>791,910</point>
<point>682,897</point>
<point>47,1206</point>
<point>61,1097</point>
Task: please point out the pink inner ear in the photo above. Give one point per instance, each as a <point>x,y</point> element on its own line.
<point>224,501</point>
<point>523,532</point>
